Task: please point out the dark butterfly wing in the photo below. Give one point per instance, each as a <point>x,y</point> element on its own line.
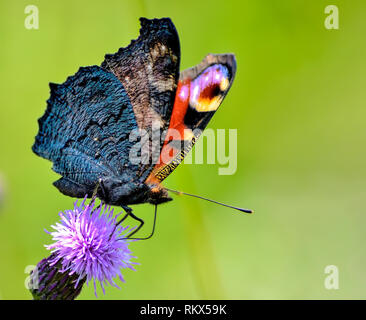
<point>200,91</point>
<point>149,69</point>
<point>85,129</point>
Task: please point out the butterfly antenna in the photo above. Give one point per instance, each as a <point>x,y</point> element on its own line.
<point>221,204</point>
<point>153,230</point>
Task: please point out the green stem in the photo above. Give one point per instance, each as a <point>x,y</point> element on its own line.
<point>202,259</point>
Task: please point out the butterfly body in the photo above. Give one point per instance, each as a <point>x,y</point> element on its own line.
<point>86,129</point>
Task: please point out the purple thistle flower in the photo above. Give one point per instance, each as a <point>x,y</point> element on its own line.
<point>89,244</point>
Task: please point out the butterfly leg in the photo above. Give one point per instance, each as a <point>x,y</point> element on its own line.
<point>153,230</point>
<point>130,214</point>
<point>141,224</point>
<point>100,185</point>
<point>139,227</point>
<point>94,196</point>
<point>128,210</point>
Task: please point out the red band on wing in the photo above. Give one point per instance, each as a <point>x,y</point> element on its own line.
<point>175,131</point>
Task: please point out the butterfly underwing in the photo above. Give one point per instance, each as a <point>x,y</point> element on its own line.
<point>86,128</point>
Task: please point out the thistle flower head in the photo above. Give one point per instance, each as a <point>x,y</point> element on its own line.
<point>88,243</point>
<point>48,283</point>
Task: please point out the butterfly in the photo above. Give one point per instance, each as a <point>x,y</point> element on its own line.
<point>86,128</point>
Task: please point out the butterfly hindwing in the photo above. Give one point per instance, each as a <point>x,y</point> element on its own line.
<point>200,91</point>
<point>85,129</point>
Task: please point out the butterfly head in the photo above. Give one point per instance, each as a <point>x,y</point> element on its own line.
<point>158,194</point>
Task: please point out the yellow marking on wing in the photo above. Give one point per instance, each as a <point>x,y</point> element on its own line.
<point>205,105</point>
<point>224,84</point>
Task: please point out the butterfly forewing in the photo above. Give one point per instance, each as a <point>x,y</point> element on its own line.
<point>149,70</point>
<point>200,92</point>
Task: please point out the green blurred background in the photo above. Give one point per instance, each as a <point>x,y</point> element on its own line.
<point>298,103</point>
